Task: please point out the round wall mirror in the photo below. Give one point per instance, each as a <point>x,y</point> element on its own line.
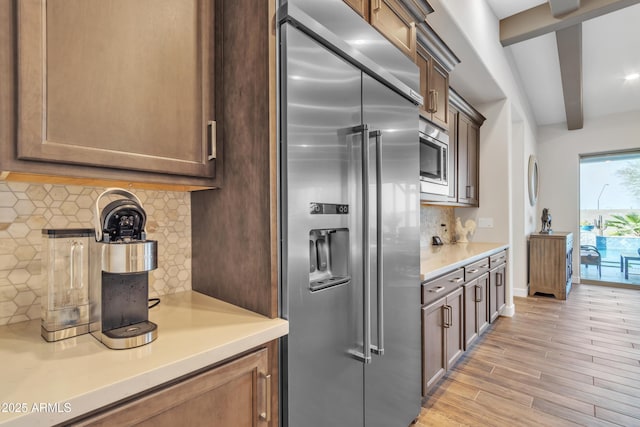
<point>533,180</point>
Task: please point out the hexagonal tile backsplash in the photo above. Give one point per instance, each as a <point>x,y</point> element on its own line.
<point>26,208</point>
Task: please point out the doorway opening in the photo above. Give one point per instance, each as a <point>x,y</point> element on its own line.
<point>610,218</point>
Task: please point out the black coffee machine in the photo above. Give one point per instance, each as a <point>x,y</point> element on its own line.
<point>121,259</point>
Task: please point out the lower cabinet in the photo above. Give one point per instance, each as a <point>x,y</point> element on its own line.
<point>234,394</point>
<point>443,337</point>
<point>497,284</point>
<point>476,311</point>
<point>457,308</point>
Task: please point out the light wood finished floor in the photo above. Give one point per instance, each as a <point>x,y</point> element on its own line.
<point>555,363</point>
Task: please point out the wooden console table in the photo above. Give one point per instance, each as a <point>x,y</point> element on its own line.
<point>550,263</point>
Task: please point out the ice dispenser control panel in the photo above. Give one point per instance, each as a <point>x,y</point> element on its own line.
<point>328,209</point>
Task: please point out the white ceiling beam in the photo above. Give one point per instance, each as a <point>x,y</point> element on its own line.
<point>539,20</point>
<point>569,42</point>
<point>562,7</point>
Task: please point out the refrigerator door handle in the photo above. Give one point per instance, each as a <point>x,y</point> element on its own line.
<point>379,349</point>
<point>366,246</point>
<point>365,355</point>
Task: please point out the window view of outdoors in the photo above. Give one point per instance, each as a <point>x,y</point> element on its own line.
<point>610,218</point>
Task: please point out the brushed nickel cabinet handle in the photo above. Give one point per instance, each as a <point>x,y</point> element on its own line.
<point>476,297</point>
<point>266,415</point>
<point>445,315</point>
<point>456,280</point>
<point>211,137</point>
<point>432,100</point>
<point>435,102</point>
<point>475,270</point>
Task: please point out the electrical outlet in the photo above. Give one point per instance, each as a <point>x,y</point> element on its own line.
<point>485,222</point>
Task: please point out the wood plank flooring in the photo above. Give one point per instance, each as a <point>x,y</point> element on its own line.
<point>555,363</point>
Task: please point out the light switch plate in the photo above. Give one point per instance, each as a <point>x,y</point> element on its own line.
<point>485,222</point>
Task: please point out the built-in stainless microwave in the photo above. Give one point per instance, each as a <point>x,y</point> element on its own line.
<point>434,159</point>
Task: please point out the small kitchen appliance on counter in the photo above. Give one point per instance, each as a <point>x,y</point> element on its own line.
<point>65,297</point>
<point>121,260</point>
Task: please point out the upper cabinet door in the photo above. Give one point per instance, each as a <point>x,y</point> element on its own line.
<point>434,88</point>
<point>439,93</point>
<point>118,84</point>
<point>389,17</point>
<point>360,6</point>
<point>468,161</point>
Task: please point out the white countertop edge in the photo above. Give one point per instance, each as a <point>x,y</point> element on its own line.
<point>444,270</point>
<point>113,392</point>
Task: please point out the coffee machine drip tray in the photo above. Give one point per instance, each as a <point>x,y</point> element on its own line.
<point>130,336</point>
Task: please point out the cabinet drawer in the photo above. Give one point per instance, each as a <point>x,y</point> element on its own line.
<point>476,269</point>
<point>497,259</point>
<point>442,286</point>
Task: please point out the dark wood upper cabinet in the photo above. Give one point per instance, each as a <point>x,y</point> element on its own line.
<point>468,161</point>
<point>392,19</point>
<point>360,6</point>
<point>434,88</point>
<point>117,84</point>
<point>394,22</point>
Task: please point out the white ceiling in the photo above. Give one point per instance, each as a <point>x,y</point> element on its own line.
<point>610,50</point>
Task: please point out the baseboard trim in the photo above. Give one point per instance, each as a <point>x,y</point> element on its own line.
<point>508,311</point>
<point>520,292</point>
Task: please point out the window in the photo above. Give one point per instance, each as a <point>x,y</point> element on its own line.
<point>610,218</point>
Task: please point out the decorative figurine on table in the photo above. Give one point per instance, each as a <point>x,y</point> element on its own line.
<point>546,222</point>
<point>462,231</point>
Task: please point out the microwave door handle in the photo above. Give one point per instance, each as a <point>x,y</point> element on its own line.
<point>444,164</point>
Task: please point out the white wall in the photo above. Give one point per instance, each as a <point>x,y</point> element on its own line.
<point>507,138</point>
<point>559,158</point>
<point>494,168</point>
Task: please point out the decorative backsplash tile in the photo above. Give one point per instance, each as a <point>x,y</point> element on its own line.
<point>26,208</point>
<point>431,220</point>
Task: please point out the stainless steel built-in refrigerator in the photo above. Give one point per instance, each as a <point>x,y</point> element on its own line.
<point>349,197</point>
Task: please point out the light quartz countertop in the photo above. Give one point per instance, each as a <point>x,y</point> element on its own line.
<point>54,382</point>
<point>438,260</point>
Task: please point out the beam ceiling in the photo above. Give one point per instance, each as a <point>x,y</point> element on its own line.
<point>569,42</point>
<point>562,7</point>
<point>565,17</point>
<point>539,20</point>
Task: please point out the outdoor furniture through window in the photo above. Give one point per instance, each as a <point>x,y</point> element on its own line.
<point>589,255</point>
<point>624,262</point>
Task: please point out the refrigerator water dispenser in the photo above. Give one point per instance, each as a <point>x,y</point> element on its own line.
<point>328,258</point>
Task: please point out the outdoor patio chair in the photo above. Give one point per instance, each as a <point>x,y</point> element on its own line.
<point>589,255</point>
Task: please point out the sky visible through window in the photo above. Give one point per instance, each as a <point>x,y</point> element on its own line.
<point>596,173</point>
